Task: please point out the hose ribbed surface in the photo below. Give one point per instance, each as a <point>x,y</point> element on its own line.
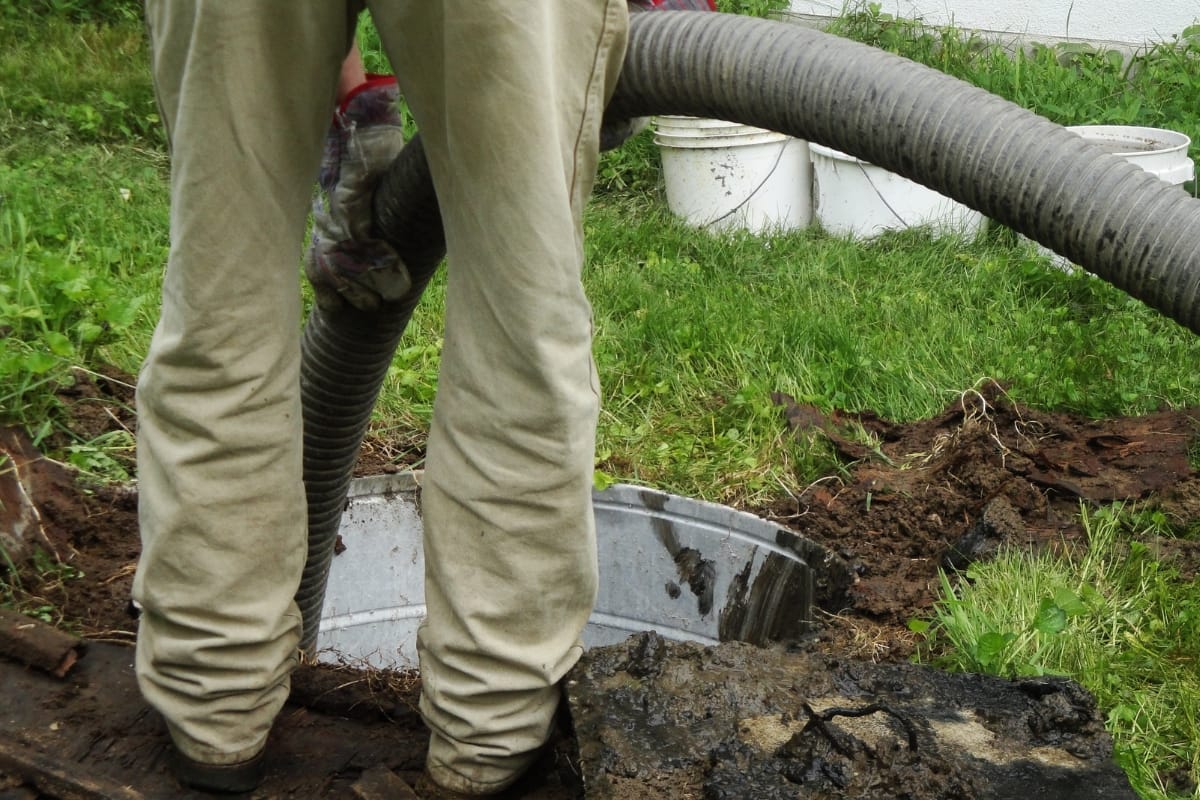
<point>1118,221</point>
<point>344,361</point>
<point>1110,216</point>
<point>345,357</point>
<point>407,212</point>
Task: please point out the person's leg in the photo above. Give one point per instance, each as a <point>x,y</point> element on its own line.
<point>353,73</point>
<point>246,90</point>
<point>508,98</point>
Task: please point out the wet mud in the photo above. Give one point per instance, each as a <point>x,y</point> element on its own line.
<point>737,721</point>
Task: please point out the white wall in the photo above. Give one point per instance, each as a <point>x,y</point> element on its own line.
<point>1130,22</point>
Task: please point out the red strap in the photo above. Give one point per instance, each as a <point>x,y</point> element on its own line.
<point>371,82</point>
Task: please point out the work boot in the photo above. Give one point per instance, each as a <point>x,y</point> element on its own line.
<point>244,776</point>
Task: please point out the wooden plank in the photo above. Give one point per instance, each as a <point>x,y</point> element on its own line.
<point>36,644</point>
<point>59,780</point>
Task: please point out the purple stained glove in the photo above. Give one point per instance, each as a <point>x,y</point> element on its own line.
<point>346,262</point>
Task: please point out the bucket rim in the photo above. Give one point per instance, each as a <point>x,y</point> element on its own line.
<point>836,155</point>
<point>724,142</point>
<point>1170,140</point>
<point>681,123</point>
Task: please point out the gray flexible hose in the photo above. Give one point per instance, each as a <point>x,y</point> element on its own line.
<point>345,355</point>
<point>1115,219</point>
<point>1102,212</point>
<point>344,358</point>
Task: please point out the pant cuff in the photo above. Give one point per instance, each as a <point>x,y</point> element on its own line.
<point>205,754</point>
<point>452,769</point>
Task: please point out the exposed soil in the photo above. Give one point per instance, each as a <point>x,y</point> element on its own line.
<point>984,473</point>
<point>940,492</point>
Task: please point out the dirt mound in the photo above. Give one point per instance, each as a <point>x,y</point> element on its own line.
<point>984,473</point>
<point>75,544</point>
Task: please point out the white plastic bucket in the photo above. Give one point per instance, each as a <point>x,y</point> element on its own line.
<point>691,570</point>
<point>856,198</point>
<point>1161,152</point>
<point>722,175</point>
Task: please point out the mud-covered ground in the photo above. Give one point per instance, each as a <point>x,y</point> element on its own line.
<point>934,493</point>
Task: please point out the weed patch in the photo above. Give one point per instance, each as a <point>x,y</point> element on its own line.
<point>55,312</point>
<point>1114,619</point>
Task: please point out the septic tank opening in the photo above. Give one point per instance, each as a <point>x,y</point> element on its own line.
<point>687,569</point>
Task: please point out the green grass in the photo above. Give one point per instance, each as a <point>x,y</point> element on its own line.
<point>82,207</point>
<point>694,333</point>
<point>82,245</point>
<point>1114,619</point>
<point>84,83</point>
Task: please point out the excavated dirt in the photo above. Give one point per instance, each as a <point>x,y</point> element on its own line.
<point>937,493</point>
<point>984,473</point>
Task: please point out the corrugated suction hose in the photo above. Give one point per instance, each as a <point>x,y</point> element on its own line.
<point>1115,219</point>
<point>345,355</point>
<point>1102,212</point>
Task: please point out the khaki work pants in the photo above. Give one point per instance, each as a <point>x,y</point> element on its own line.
<point>508,96</point>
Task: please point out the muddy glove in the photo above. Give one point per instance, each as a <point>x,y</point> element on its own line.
<point>346,262</point>
<point>615,132</point>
